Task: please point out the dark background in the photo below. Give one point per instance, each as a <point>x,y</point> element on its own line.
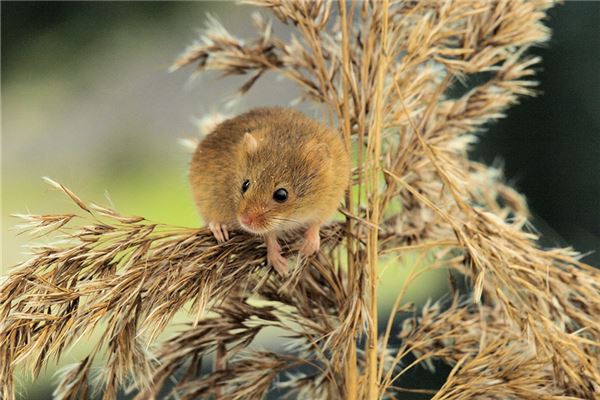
<point>550,145</point>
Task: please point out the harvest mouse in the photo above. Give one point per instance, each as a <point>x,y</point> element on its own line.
<point>269,171</point>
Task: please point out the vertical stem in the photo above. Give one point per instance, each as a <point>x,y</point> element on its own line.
<point>374,153</point>
<point>345,119</point>
<point>362,159</point>
<point>220,364</point>
<point>350,371</point>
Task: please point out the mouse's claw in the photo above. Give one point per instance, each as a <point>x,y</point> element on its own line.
<point>219,231</point>
<point>274,257</point>
<point>225,231</point>
<point>278,262</point>
<point>312,241</point>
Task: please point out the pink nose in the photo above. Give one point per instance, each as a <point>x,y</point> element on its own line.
<point>252,218</point>
<point>246,219</point>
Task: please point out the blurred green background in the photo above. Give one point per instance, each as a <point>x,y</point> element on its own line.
<point>87,100</point>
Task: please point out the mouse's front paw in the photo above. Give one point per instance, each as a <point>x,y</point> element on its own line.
<point>312,242</point>
<point>219,230</point>
<point>279,262</point>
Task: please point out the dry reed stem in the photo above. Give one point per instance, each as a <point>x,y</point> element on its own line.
<point>350,373</point>
<point>373,207</point>
<point>390,79</point>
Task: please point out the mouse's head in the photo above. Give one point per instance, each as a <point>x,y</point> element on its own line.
<point>279,182</point>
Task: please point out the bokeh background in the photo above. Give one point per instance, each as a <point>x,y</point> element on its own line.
<point>88,101</point>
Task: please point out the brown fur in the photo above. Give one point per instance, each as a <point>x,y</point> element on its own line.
<point>294,152</point>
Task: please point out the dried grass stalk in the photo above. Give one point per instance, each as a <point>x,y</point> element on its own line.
<point>386,74</point>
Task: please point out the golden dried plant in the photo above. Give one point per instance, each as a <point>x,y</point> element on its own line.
<point>385,74</point>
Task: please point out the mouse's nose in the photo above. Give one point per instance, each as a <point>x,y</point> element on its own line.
<point>246,219</point>
<point>252,218</point>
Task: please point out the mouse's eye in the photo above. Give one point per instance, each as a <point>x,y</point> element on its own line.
<point>245,186</point>
<point>280,195</point>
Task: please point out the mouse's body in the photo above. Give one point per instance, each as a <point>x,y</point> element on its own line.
<point>268,171</point>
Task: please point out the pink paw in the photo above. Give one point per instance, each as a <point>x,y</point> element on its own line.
<point>274,257</point>
<point>219,230</point>
<point>278,262</point>
<point>312,242</point>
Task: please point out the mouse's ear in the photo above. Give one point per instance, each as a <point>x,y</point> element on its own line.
<point>319,152</point>
<point>249,142</point>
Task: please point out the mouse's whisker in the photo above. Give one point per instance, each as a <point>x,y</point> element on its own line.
<point>286,223</point>
<point>277,225</point>
<point>294,221</point>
